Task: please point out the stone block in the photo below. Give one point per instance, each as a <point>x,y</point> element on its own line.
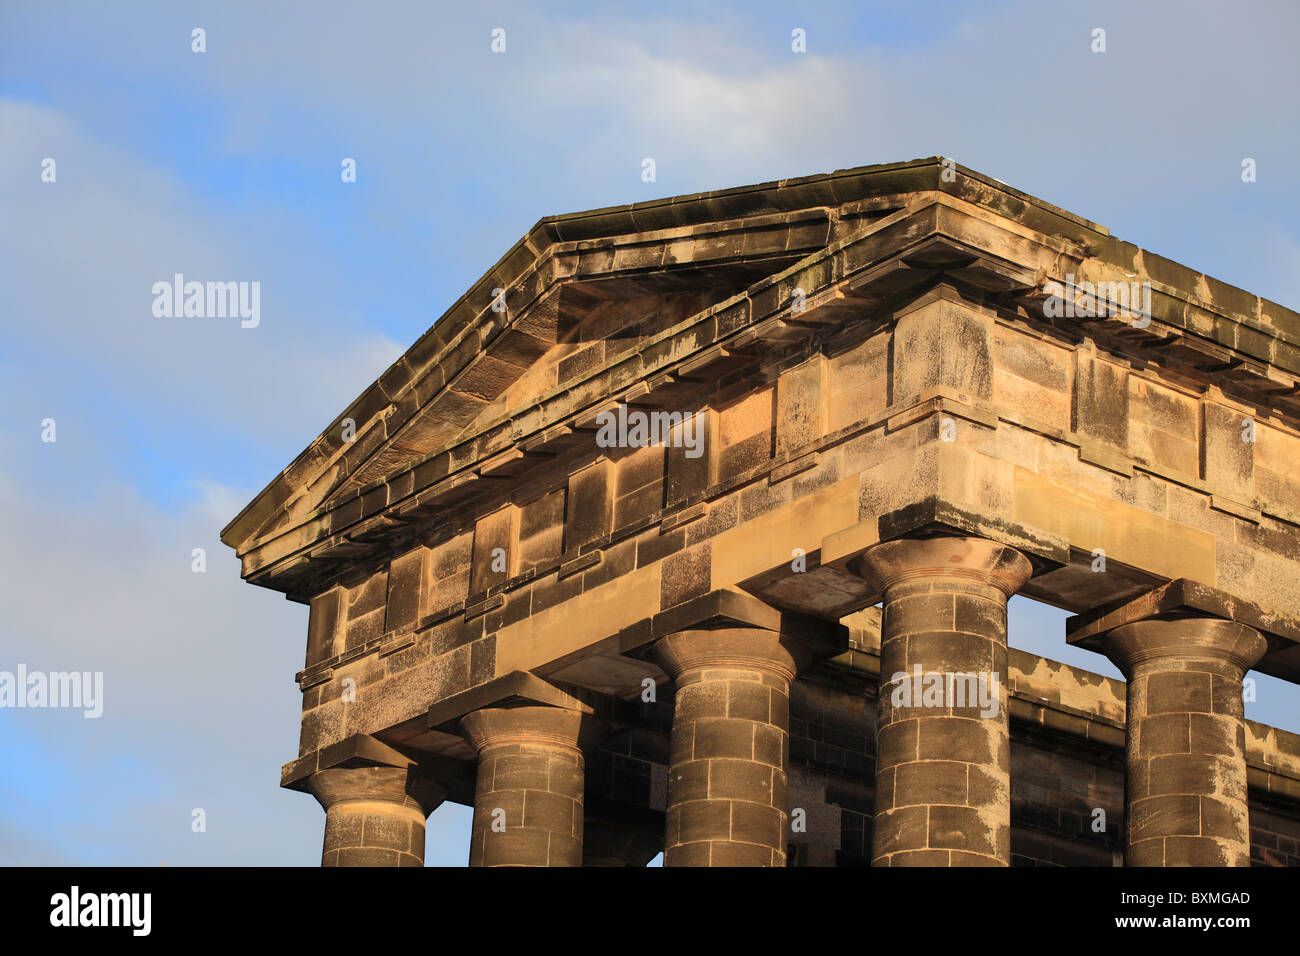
<point>941,340</point>
<point>590,512</point>
<point>1101,400</point>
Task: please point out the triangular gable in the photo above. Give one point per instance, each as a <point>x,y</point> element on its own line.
<point>687,287</point>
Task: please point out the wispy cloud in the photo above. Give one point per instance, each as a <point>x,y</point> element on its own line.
<point>225,166</point>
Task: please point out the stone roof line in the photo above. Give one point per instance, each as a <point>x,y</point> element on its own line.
<point>393,400</point>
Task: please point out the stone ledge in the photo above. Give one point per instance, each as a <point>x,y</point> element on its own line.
<point>1179,596</point>
<point>482,607</point>
<point>1104,456</point>
<point>729,608</point>
<point>515,688</point>
<point>683,516</point>
<point>580,563</point>
<point>1235,508</point>
<point>398,643</point>
<point>936,515</point>
<point>357,750</point>
<point>1273,783</point>
<point>792,468</point>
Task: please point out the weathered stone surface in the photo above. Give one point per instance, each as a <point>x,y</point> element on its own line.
<point>848,367</point>
<point>528,799</point>
<point>728,784</point>
<point>1186,747</point>
<point>374,815</point>
<point>940,340</point>
<point>943,736</point>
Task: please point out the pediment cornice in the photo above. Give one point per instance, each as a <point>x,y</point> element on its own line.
<point>873,240</point>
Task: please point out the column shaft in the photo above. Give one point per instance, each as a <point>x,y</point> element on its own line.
<point>374,816</point>
<point>1185,741</point>
<point>943,765</point>
<point>727,782</point>
<point>528,793</point>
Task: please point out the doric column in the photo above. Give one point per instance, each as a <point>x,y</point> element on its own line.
<point>727,784</point>
<point>943,776</point>
<point>374,815</point>
<point>528,794</point>
<point>1185,741</point>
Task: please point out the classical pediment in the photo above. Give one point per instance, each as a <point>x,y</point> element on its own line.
<point>623,517</point>
<point>653,305</point>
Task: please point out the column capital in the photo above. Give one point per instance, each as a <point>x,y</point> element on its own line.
<point>376,783</point>
<point>1185,779</point>
<point>529,790</point>
<point>1209,639</point>
<point>532,725</point>
<point>739,647</point>
<point>728,784</point>
<point>913,560</point>
<point>1183,600</point>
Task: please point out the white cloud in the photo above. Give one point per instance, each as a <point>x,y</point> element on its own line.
<point>201,708</point>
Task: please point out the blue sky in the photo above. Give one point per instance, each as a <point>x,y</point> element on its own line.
<point>226,165</point>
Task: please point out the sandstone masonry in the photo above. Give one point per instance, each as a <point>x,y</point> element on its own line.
<point>613,649</point>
